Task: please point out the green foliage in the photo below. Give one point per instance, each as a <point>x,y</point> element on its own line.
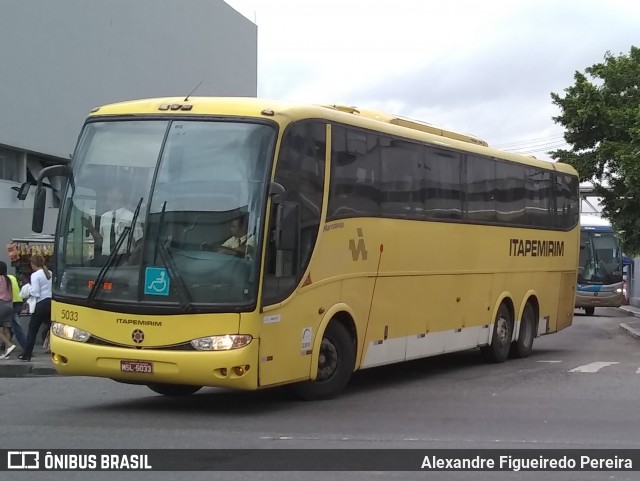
<point>601,117</point>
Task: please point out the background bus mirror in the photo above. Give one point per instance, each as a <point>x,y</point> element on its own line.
<point>287,226</point>
<point>23,190</point>
<point>39,205</point>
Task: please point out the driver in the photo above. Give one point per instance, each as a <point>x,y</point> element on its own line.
<point>240,243</point>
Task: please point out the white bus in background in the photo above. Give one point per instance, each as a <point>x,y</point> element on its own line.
<point>600,282</point>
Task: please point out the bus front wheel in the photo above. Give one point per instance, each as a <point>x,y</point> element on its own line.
<point>589,311</point>
<point>336,361</point>
<point>173,389</point>
<point>498,350</point>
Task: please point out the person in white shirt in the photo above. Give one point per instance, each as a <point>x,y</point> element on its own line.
<point>112,224</point>
<point>41,291</point>
<point>240,243</point>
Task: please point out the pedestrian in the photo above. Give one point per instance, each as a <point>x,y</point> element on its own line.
<point>6,311</point>
<point>41,291</point>
<point>18,304</point>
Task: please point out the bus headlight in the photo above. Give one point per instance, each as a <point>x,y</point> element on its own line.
<point>222,343</point>
<point>618,290</point>
<point>69,332</point>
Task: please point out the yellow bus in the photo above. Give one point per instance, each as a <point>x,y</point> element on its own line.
<point>247,243</point>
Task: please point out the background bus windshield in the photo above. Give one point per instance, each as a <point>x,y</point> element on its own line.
<point>600,258</point>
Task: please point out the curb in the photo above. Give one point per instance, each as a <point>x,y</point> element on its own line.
<point>25,369</point>
<point>632,331</point>
<point>41,365</point>
<point>634,311</point>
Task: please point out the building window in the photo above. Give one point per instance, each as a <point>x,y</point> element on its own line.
<point>10,165</point>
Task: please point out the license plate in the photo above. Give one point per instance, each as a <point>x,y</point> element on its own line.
<point>142,367</point>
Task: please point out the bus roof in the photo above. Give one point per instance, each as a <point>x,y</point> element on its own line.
<point>409,123</point>
<point>283,112</point>
<point>595,222</point>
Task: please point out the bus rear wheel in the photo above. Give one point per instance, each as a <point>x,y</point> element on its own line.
<point>524,345</point>
<point>173,389</point>
<point>498,350</point>
<point>589,311</point>
<point>336,361</point>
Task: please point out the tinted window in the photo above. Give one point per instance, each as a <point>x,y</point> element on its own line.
<point>510,193</point>
<point>375,175</point>
<point>355,174</point>
<point>481,187</point>
<point>400,179</point>
<point>442,186</point>
<point>537,197</point>
<point>567,203</point>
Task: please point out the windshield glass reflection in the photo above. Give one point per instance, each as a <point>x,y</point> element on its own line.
<point>165,212</point>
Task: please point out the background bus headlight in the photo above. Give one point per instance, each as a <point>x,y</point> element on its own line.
<point>69,332</point>
<point>221,343</point>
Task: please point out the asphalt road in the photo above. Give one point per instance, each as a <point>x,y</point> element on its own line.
<point>579,389</point>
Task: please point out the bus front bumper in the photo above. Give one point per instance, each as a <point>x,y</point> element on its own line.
<point>235,369</point>
<point>599,299</point>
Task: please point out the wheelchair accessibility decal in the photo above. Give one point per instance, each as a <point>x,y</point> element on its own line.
<point>156,281</point>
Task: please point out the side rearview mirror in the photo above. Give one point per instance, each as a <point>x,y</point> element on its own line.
<point>40,199</point>
<point>39,206</point>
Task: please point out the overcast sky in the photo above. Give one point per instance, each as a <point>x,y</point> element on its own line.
<point>481,67</point>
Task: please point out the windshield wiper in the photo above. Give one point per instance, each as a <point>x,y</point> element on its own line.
<point>133,225</point>
<point>114,251</point>
<point>107,265</point>
<point>183,292</point>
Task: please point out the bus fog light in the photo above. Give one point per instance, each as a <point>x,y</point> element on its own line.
<point>240,370</point>
<point>69,332</point>
<point>221,343</point>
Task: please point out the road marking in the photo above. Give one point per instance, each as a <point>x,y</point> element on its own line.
<point>638,371</point>
<point>593,367</point>
<point>550,362</point>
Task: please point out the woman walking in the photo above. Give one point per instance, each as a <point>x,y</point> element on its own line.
<point>6,305</point>
<point>41,291</point>
<point>18,304</point>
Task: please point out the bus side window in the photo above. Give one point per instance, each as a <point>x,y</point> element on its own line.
<point>300,170</point>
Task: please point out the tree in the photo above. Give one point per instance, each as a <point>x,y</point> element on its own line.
<point>601,117</point>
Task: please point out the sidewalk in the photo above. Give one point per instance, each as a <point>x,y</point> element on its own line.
<point>631,327</point>
<point>40,364</point>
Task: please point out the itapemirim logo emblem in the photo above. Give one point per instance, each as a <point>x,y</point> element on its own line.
<point>138,336</point>
<point>360,249</point>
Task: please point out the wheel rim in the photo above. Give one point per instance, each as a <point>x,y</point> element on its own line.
<point>327,360</point>
<point>502,330</point>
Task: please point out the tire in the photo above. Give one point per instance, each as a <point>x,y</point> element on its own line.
<point>173,389</point>
<point>498,350</point>
<point>589,311</point>
<point>523,346</point>
<point>336,361</point>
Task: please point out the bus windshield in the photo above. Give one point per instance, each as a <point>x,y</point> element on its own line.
<point>600,258</point>
<point>164,212</point>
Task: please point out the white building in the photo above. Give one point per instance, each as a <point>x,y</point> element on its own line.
<point>61,58</point>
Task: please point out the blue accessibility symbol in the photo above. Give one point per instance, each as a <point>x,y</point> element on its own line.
<point>156,281</point>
